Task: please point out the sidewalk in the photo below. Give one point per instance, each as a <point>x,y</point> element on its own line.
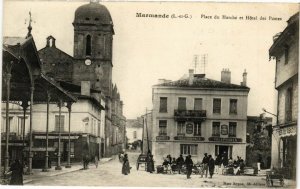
<point>38,173</point>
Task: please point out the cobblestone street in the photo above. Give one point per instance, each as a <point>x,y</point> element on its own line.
<point>109,174</point>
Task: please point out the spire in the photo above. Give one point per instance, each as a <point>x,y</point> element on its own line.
<point>29,26</point>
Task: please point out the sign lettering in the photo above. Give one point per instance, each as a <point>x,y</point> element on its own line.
<point>219,139</point>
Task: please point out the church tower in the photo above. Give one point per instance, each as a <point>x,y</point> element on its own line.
<point>93,38</point>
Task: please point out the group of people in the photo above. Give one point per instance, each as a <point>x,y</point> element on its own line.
<point>207,164</point>
<point>232,166</point>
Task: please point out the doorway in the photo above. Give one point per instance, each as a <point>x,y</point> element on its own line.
<point>221,149</point>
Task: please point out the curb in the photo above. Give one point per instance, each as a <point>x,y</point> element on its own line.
<point>61,173</point>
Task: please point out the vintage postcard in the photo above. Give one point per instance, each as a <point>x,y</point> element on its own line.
<point>149,94</point>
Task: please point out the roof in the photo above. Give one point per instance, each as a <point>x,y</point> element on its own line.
<point>94,13</point>
<point>203,83</point>
<point>133,123</point>
<point>290,30</point>
<point>12,41</point>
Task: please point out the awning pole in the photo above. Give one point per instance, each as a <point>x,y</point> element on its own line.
<point>47,133</point>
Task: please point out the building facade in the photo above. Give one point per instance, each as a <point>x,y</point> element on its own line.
<point>91,67</point>
<point>134,130</point>
<point>197,115</point>
<point>285,50</point>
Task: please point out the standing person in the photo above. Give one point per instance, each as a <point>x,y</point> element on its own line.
<point>96,161</point>
<point>217,164</point>
<point>189,166</point>
<point>17,173</point>
<point>259,159</point>
<point>211,165</point>
<point>126,166</point>
<point>150,164</point>
<point>179,163</point>
<point>205,165</point>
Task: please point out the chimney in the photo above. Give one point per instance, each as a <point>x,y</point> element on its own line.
<point>226,76</point>
<point>244,83</point>
<point>161,81</point>
<point>85,88</point>
<point>191,76</point>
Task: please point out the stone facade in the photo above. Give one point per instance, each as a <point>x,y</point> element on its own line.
<point>191,130</point>
<point>285,50</point>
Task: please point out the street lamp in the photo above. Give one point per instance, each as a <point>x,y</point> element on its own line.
<point>264,110</point>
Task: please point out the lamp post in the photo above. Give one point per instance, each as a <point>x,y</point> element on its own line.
<point>264,110</point>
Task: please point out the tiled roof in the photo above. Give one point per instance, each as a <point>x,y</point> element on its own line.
<point>203,83</point>
<point>133,123</point>
<point>14,40</point>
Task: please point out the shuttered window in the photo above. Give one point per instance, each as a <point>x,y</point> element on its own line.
<point>62,123</point>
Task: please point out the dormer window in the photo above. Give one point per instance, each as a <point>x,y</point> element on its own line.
<point>96,19</point>
<point>88,46</point>
<point>87,18</point>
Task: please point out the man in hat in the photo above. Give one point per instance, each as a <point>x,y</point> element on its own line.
<point>205,161</point>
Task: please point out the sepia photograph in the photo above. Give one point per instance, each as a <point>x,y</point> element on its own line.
<point>149,94</point>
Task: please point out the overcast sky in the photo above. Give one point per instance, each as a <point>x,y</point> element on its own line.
<point>146,49</point>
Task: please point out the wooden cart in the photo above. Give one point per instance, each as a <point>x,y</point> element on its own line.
<point>273,178</point>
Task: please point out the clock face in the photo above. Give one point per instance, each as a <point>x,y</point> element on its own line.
<point>88,62</point>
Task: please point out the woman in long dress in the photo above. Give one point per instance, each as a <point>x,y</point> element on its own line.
<point>126,166</point>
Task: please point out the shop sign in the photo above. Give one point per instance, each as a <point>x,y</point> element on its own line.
<point>224,129</point>
<point>162,138</point>
<point>189,128</point>
<point>55,137</point>
<point>287,131</point>
<point>189,138</point>
<point>219,139</point>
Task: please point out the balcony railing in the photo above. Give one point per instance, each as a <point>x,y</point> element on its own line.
<point>189,115</point>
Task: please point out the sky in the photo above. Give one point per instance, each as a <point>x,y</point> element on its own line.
<point>148,49</point>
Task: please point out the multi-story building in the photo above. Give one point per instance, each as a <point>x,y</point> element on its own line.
<point>197,115</point>
<point>92,64</point>
<point>285,50</point>
<point>134,129</point>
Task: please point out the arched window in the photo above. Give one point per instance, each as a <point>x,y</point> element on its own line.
<point>88,48</point>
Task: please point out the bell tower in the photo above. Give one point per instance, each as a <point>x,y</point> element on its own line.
<point>93,38</point>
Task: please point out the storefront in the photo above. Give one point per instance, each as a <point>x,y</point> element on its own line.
<point>288,152</point>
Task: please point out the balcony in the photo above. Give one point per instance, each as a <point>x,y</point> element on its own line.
<point>189,115</point>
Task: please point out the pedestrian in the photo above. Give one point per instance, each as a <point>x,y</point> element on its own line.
<point>189,166</point>
<point>217,164</point>
<point>211,165</point>
<point>17,173</point>
<point>150,163</point>
<point>259,160</point>
<point>205,165</point>
<point>126,167</point>
<point>179,163</point>
<point>96,161</point>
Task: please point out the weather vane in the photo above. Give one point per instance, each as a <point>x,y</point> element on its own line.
<point>29,26</point>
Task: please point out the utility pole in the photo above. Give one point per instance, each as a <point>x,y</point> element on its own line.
<point>147,132</point>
